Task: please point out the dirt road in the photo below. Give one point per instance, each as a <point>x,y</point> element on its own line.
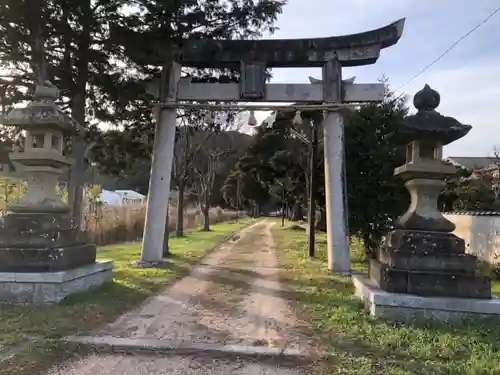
<point>233,297</point>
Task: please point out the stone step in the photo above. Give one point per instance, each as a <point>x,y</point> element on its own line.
<point>423,261</point>
<point>55,259</point>
<point>424,242</point>
<point>136,346</point>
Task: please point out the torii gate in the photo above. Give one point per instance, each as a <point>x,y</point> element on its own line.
<point>253,57</point>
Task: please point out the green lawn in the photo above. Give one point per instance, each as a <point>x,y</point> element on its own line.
<point>88,311</point>
<point>362,345</point>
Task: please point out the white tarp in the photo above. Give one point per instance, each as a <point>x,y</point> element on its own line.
<point>131,196</point>
<point>110,197</point>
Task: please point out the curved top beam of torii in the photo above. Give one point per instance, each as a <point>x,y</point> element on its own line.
<point>351,50</point>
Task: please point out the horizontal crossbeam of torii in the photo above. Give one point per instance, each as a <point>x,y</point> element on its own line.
<point>277,92</point>
<point>350,50</point>
<point>253,58</point>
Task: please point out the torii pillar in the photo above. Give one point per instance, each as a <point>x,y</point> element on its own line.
<point>161,168</point>
<point>252,58</point>
<point>339,254</point>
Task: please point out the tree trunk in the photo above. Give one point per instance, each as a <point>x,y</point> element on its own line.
<point>370,246</point>
<point>166,249</point>
<point>76,181</point>
<point>321,223</point>
<point>283,210</point>
<point>252,209</point>
<point>206,212</point>
<point>179,230</point>
<point>206,219</point>
<point>297,212</point>
<point>37,25</point>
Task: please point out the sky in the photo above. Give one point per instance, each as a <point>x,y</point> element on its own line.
<point>468,77</point>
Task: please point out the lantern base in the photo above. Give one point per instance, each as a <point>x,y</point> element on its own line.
<point>428,264</point>
<point>429,283</point>
<point>42,243</point>
<point>407,308</point>
<point>423,242</point>
<point>50,287</point>
<point>46,259</point>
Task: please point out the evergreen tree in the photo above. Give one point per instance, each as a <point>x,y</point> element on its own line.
<point>71,43</point>
<point>375,197</point>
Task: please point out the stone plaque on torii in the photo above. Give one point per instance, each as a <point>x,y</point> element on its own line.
<point>252,58</point>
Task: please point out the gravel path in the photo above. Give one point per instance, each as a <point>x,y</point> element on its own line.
<point>232,297</point>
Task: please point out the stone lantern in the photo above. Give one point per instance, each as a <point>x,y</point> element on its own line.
<point>424,135</point>
<point>421,269</point>
<point>42,160</point>
<point>40,244</point>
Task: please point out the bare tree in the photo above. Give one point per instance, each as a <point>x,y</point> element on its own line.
<point>192,134</point>
<point>212,160</point>
<point>489,176</point>
<point>495,174</point>
<point>206,173</point>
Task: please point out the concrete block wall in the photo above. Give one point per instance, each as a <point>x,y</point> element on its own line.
<point>481,232</point>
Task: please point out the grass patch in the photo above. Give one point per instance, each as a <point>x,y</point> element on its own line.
<point>91,310</point>
<point>362,345</point>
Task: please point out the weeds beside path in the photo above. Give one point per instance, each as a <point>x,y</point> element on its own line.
<point>88,311</point>
<point>364,346</point>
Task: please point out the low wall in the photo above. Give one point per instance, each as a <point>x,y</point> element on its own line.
<point>481,232</point>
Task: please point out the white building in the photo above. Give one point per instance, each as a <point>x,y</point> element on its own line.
<point>110,197</point>
<point>121,197</point>
<point>130,196</point>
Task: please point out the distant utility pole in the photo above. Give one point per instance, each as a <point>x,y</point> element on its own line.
<point>312,189</point>
<point>282,184</point>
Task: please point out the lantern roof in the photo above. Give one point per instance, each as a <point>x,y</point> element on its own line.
<point>42,112</point>
<point>427,123</point>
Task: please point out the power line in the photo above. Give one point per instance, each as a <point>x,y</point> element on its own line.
<point>450,48</point>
